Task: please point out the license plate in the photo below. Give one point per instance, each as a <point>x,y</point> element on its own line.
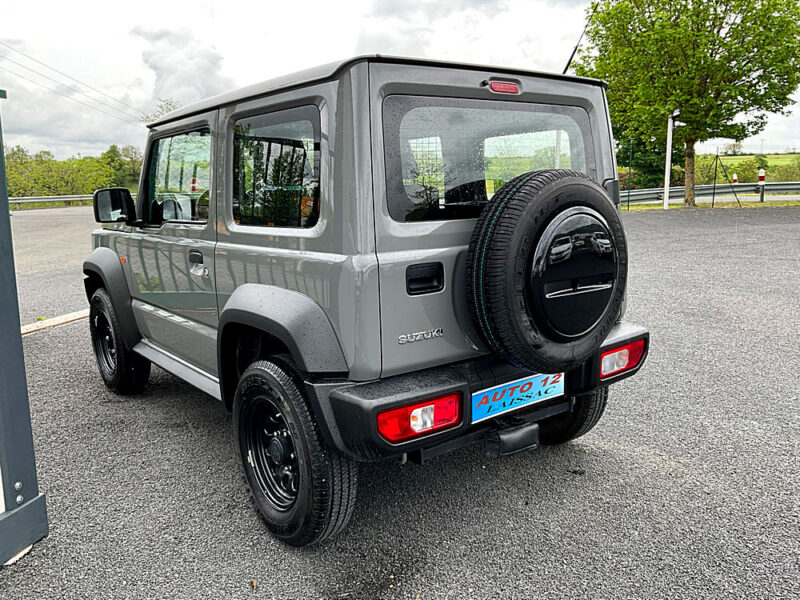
<point>515,394</point>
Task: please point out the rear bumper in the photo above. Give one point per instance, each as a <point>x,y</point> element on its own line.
<point>347,411</point>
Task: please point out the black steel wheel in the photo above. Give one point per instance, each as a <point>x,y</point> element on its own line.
<point>123,371</point>
<point>105,344</point>
<point>270,449</point>
<point>303,490</point>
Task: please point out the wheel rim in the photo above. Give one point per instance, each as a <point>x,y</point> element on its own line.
<point>270,449</point>
<point>105,344</point>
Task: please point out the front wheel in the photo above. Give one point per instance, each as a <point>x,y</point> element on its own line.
<point>304,491</point>
<point>123,371</point>
<point>584,416</point>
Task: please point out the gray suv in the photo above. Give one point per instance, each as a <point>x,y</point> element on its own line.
<point>380,258</point>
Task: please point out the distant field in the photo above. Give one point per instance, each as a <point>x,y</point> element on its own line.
<point>773,159</point>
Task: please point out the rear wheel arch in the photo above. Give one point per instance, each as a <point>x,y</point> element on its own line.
<point>239,346</point>
<point>272,321</point>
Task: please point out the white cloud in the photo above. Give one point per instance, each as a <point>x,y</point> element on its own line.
<point>781,134</point>
<point>186,50</point>
<point>186,68</point>
<point>535,35</point>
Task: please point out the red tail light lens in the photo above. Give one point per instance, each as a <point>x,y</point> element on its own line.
<point>406,422</point>
<point>621,359</point>
<point>504,87</point>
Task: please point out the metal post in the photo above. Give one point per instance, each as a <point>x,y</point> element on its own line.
<point>23,514</point>
<point>630,162</point>
<point>668,166</point>
<point>557,158</point>
<point>714,189</point>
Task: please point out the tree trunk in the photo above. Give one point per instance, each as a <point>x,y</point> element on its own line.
<point>688,194</point>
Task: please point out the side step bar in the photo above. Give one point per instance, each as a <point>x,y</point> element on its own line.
<point>189,373</point>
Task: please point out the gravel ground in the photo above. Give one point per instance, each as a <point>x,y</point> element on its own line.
<point>688,487</point>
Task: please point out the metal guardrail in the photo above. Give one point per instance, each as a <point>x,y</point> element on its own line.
<point>722,189</point>
<point>636,196</point>
<point>15,202</point>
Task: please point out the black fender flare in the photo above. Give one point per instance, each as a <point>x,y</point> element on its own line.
<point>290,317</point>
<point>104,263</point>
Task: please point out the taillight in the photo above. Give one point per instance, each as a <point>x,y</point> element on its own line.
<point>405,422</point>
<point>621,359</point>
<point>504,87</point>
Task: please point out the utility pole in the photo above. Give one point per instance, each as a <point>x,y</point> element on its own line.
<point>668,168</point>
<point>23,514</point>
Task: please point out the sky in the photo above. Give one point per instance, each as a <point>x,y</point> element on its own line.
<point>135,53</point>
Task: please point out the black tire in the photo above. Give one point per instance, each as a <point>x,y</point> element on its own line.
<point>539,311</point>
<point>584,416</point>
<point>304,491</point>
<point>123,371</point>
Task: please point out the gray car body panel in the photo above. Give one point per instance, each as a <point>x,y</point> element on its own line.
<point>347,273</point>
<point>402,244</point>
<point>338,69</point>
<point>334,262</point>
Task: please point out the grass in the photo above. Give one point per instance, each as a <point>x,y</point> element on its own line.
<point>773,160</point>
<point>56,204</point>
<point>745,204</point>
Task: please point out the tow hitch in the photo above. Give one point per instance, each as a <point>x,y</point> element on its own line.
<point>503,442</point>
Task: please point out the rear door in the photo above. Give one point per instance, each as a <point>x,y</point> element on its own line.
<point>172,255</point>
<point>443,143</point>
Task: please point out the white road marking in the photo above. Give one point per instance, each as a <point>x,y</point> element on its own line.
<point>18,557</point>
<point>55,322</point>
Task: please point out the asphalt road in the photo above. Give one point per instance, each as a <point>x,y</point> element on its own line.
<point>50,245</point>
<point>688,488</point>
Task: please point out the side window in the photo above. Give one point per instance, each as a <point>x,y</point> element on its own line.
<point>276,160</point>
<point>178,178</point>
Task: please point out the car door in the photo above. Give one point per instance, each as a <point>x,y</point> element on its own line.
<point>172,254</point>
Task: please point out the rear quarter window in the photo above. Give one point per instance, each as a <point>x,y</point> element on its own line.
<point>276,163</point>
<point>446,157</point>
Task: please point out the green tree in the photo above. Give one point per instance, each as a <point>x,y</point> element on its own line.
<point>165,105</point>
<point>647,163</point>
<point>732,149</point>
<point>132,159</point>
<point>113,158</point>
<point>746,170</point>
<point>41,174</point>
<point>725,64</point>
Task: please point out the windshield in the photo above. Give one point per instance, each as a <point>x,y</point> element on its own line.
<point>446,157</point>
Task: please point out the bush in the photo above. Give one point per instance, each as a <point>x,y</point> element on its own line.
<point>747,170</point>
<point>787,172</point>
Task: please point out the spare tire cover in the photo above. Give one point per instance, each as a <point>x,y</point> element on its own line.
<point>546,270</point>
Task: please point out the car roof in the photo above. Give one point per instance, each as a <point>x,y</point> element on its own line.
<point>331,71</point>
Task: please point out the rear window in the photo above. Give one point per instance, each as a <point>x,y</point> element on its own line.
<point>446,157</point>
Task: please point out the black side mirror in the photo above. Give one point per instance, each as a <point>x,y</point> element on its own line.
<point>114,205</point>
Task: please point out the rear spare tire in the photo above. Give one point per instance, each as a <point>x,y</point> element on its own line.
<point>546,270</point>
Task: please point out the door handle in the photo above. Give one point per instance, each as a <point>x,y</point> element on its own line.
<point>196,260</point>
<point>424,278</point>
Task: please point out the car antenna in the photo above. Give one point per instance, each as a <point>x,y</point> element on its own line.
<point>575,49</point>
